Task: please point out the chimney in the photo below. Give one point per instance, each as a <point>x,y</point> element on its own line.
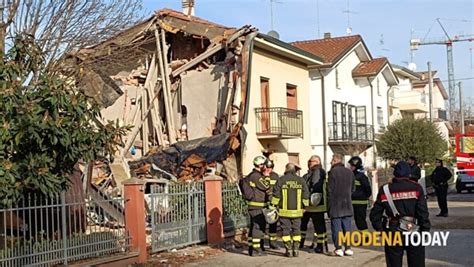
<point>327,35</point>
<point>188,7</point>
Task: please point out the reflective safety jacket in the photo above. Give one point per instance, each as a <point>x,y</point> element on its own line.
<point>290,195</point>
<point>363,189</point>
<point>255,190</point>
<point>317,183</point>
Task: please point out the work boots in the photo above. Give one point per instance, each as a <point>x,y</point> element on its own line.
<point>288,252</point>
<point>262,244</point>
<point>296,246</point>
<point>302,242</point>
<point>319,249</point>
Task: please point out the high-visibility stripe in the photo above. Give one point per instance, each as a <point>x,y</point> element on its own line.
<point>320,235</point>
<point>360,202</point>
<point>290,213</point>
<point>273,238</point>
<point>357,182</point>
<point>256,240</point>
<point>286,238</point>
<point>320,241</point>
<point>297,238</point>
<point>273,182</point>
<point>275,201</point>
<point>298,199</point>
<point>252,184</point>
<point>285,199</point>
<point>306,202</point>
<point>272,234</point>
<point>256,204</point>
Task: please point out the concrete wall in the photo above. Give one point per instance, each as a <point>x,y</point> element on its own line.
<point>348,90</point>
<point>280,72</point>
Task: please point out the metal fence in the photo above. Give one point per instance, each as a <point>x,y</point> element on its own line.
<point>177,215</point>
<point>58,229</point>
<point>234,208</point>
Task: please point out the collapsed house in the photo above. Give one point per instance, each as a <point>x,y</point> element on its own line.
<point>181,83</point>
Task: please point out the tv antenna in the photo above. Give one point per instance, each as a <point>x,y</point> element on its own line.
<point>349,12</point>
<point>271,13</point>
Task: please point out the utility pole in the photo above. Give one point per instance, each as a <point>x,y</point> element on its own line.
<point>430,86</point>
<point>461,108</point>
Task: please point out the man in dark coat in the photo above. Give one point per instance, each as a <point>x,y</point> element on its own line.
<point>415,171</point>
<point>340,188</point>
<point>410,203</point>
<point>440,178</point>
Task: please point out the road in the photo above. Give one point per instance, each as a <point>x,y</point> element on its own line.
<point>459,252</point>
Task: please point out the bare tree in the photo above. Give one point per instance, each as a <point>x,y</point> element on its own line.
<point>61,26</point>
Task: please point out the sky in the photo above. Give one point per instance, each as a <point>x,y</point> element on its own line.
<point>385,25</point>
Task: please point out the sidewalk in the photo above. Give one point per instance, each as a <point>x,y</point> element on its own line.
<point>459,224</point>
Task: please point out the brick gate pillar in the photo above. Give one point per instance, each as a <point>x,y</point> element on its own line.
<point>135,216</point>
<point>214,215</point>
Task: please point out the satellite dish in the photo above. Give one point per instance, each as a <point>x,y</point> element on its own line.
<point>412,66</point>
<point>273,34</point>
<point>349,30</point>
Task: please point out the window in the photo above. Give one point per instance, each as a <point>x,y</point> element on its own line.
<point>291,97</point>
<point>378,87</point>
<point>265,92</point>
<point>380,117</point>
<point>337,79</point>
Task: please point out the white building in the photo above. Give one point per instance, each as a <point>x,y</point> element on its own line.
<point>349,103</point>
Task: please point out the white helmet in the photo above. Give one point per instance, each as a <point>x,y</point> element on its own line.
<point>315,198</point>
<point>259,160</point>
<point>271,215</point>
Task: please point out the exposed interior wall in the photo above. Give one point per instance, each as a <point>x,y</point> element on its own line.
<point>201,95</point>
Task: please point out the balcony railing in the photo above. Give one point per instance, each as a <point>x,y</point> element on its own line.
<point>279,122</point>
<point>350,132</point>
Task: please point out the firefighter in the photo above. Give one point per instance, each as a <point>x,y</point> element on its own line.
<point>271,178</point>
<point>316,181</point>
<point>290,195</point>
<point>256,191</point>
<point>409,207</point>
<point>361,195</point>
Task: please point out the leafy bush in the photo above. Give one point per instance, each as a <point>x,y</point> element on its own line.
<point>411,137</point>
<point>46,126</point>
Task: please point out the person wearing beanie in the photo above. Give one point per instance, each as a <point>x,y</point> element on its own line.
<point>410,202</point>
<point>440,178</point>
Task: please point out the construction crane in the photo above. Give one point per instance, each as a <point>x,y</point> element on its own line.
<point>415,43</point>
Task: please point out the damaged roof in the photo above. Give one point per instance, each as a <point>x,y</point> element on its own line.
<point>331,50</point>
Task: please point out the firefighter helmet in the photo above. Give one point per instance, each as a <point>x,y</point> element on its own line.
<point>316,198</point>
<point>259,160</point>
<point>269,164</point>
<point>271,215</point>
<point>356,162</point>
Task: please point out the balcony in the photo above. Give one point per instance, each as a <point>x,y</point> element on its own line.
<point>350,133</point>
<point>410,101</point>
<point>279,123</point>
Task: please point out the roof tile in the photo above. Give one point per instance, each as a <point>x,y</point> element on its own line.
<point>329,49</point>
<point>369,68</point>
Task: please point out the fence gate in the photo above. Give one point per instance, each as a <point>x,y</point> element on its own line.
<point>234,208</point>
<point>177,215</point>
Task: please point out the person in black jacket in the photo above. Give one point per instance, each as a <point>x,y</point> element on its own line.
<point>440,178</point>
<point>256,191</point>
<point>316,181</point>
<point>340,188</point>
<point>415,171</point>
<point>409,200</point>
<point>361,195</point>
